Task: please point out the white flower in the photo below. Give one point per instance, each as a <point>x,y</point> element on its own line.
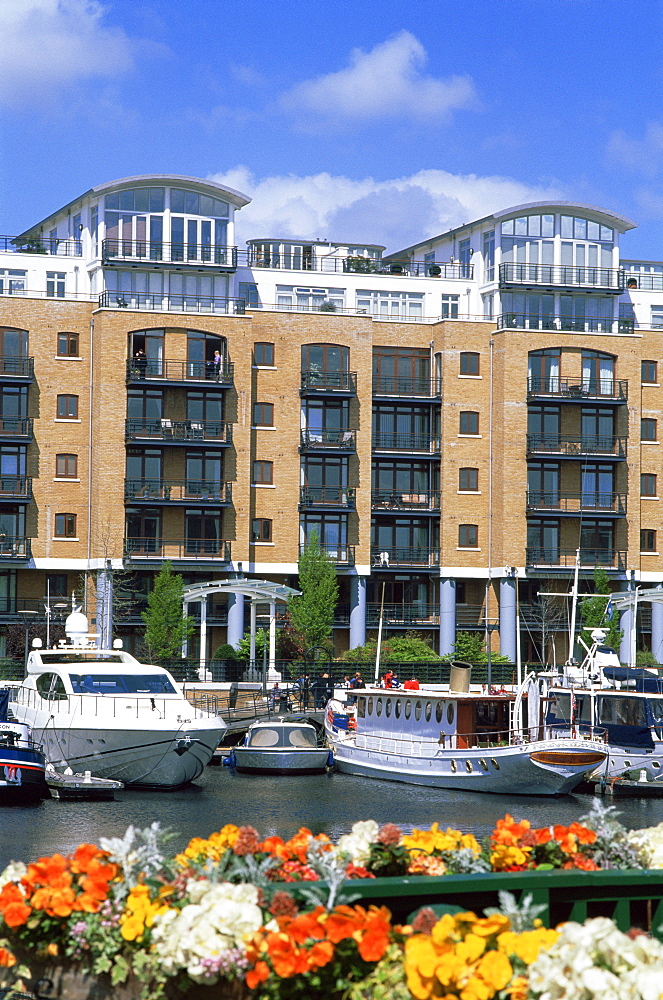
<point>357,843</point>
<point>14,872</point>
<point>649,844</point>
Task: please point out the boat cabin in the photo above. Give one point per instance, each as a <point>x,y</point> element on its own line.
<point>282,735</point>
<point>630,718</point>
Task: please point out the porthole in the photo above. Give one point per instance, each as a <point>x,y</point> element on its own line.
<point>369,707</point>
<point>387,707</point>
<point>408,709</point>
<point>494,763</point>
<point>628,763</point>
<point>378,707</point>
<point>429,711</point>
<point>450,713</point>
<point>399,705</point>
<point>417,710</point>
<point>655,764</point>
<point>468,765</point>
<point>453,766</point>
<point>483,764</point>
<point>438,712</point>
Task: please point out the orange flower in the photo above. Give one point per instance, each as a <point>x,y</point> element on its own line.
<point>508,832</point>
<point>304,926</point>
<point>343,922</point>
<point>320,954</point>
<point>287,959</point>
<point>7,958</point>
<point>258,974</point>
<point>583,833</point>
<point>13,907</point>
<point>275,846</point>
<point>375,941</point>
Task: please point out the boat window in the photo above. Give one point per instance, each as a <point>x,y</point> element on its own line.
<point>264,738</point>
<point>378,706</point>
<point>82,656</point>
<point>51,687</point>
<point>398,708</point>
<point>408,709</point>
<point>121,684</point>
<point>361,708</point>
<point>559,707</point>
<point>622,712</point>
<point>417,710</point>
<point>656,709</point>
<point>450,713</point>
<point>302,738</point>
<point>438,712</point>
<point>429,711</point>
<point>370,706</point>
<point>387,707</point>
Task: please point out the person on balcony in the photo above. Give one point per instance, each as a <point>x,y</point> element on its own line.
<point>216,362</point>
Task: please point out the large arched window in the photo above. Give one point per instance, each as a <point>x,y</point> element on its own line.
<point>325,358</point>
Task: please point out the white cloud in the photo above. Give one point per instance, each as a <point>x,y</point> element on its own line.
<point>395,213</point>
<point>46,45</point>
<point>386,82</point>
<point>645,156</point>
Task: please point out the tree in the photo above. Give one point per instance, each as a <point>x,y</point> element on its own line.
<point>167,627</point>
<point>312,613</point>
<point>471,648</point>
<point>408,648</point>
<point>593,610</point>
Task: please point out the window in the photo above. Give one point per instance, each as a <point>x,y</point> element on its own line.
<point>489,256</point>
<point>12,282</point>
<point>649,371</point>
<point>56,584</point>
<point>468,535</point>
<point>469,422</point>
<point>263,414</point>
<point>262,529</point>
<point>391,305</point>
<point>647,484</point>
<point>648,429</point>
<point>67,408</point>
<point>249,292</point>
<point>66,466</point>
<point>65,525</point>
<point>450,306</point>
<point>67,345</point>
<point>263,473</point>
<point>55,284</point>
<point>657,317</point>
<point>647,540</point>
<point>263,354</point>
<point>469,363</point>
<point>468,480</point>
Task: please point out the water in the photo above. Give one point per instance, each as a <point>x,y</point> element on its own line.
<point>328,803</point>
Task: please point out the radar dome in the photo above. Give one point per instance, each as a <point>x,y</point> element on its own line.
<point>76,628</point>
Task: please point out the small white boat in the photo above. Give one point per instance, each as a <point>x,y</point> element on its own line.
<point>69,785</point>
<point>280,747</point>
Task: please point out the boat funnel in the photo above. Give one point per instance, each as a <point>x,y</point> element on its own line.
<point>459,676</point>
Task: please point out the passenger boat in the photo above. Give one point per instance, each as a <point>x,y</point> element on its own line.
<point>470,741</point>
<point>279,746</point>
<point>22,762</point>
<point>102,711</point>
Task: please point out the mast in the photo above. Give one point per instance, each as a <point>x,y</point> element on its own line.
<point>574,604</point>
<point>377,652</point>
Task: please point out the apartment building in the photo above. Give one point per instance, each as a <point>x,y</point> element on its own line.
<point>454,420</point>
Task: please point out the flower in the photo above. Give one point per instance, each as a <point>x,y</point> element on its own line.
<point>357,843</point>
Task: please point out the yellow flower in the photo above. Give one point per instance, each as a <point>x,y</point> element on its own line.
<point>509,856</point>
<point>213,848</point>
<point>471,948</point>
<point>52,948</point>
<point>527,945</point>
<point>140,911</point>
<point>435,839</point>
<point>495,969</point>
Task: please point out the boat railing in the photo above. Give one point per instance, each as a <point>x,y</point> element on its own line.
<point>106,706</point>
<point>10,740</point>
<point>517,737</point>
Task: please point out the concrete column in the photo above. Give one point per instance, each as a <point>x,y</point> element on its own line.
<point>447,615</point>
<point>203,639</point>
<point>657,629</point>
<point>272,642</point>
<point>235,619</point>
<point>508,638</point>
<point>357,611</point>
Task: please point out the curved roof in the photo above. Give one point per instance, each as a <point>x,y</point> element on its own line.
<point>619,221</point>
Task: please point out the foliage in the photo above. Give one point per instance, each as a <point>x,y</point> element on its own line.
<point>225,652</point>
<point>167,627</point>
<point>471,648</point>
<point>361,265</point>
<point>408,648</point>
<point>645,658</point>
<point>243,651</point>
<point>593,610</point>
<point>614,847</point>
<point>312,613</point>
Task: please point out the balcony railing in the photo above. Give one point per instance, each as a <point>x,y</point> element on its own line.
<point>216,432</point>
<point>576,503</point>
<point>329,264</point>
<point>342,497</point>
<point>388,441</point>
<point>16,427</point>
<point>397,558</point>
<point>578,388</point>
<point>341,383</point>
<point>399,615</point>
<point>41,245</point>
<point>17,368</point>
<point>198,549</point>
<point>566,558</point>
<point>15,488</point>
<point>177,491</point>
<point>384,385</point>
<point>15,548</point>
<point>179,371</point>
<point>576,447</point>
<point>218,305</point>
<point>342,555</point>
<point>393,501</point>
<point>157,252</point>
<point>562,276</point>
<point>648,282</point>
<point>566,324</point>
<point>328,440</point>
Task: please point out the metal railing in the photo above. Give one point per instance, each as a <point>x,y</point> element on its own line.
<point>342,555</point>
<point>153,549</point>
<point>337,440</point>
<point>566,324</point>
<point>12,367</point>
<point>215,431</point>
<point>395,500</point>
<point>318,381</point>
<point>166,253</point>
<point>572,447</point>
<point>330,264</point>
<point>562,276</point>
<point>576,503</point>
<point>15,548</point>
<point>565,558</point>
<point>16,427</point>
<point>648,282</point>
<point>393,441</point>
<point>396,615</point>
<point>179,371</point>
<point>578,387</point>
<point>384,385</point>
<point>177,491</point>
<point>41,245</point>
<point>396,557</point>
<point>327,496</point>
<point>15,486</point>
<point>166,302</point>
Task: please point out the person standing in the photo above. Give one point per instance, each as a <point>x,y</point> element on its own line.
<point>217,365</point>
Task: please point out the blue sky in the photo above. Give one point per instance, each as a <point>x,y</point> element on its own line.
<point>367,120</point>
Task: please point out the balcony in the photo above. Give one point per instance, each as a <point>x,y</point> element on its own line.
<point>177,492</point>
<point>406,387</point>
<point>19,370</point>
<point>578,389</point>
<point>648,282</point>
<point>329,264</point>
<point>213,305</point>
<point>404,616</point>
<point>405,558</point>
<point>341,555</point>
<point>395,502</point>
<point>16,429</point>
<point>326,441</point>
<point>423,444</point>
<point>15,549</point>
<point>558,446</point>
<point>161,372</point>
<point>554,558</point>
<point>15,488</point>
<point>41,245</point>
<point>566,324</point>
<point>600,279</point>
<point>573,504</point>
<point>186,432</point>
<point>194,550</point>
<point>327,498</point>
<point>315,383</point>
<point>155,253</point>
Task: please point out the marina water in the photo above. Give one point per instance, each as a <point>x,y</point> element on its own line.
<point>328,803</point>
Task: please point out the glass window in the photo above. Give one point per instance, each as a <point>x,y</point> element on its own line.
<point>68,345</point>
<point>263,472</point>
<point>649,371</point>
<point>67,408</point>
<point>65,525</point>
<point>647,540</point>
<point>248,291</point>
<point>468,480</point>
<point>468,535</point>
<point>647,484</point>
<point>56,584</point>
<point>263,354</point>
<point>469,363</point>
<point>469,422</point>
<point>262,529</point>
<point>55,284</point>
<point>450,306</point>
<point>657,317</point>
<point>66,466</point>
<point>263,414</point>
<point>648,429</point>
